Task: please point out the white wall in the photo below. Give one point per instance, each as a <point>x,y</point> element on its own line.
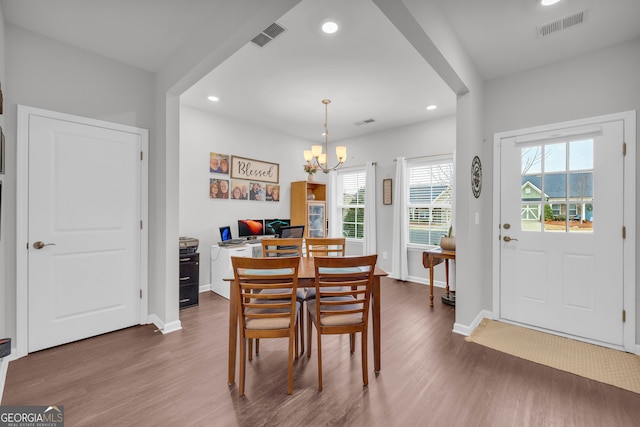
<point>201,133</point>
<point>43,73</point>
<point>3,263</point>
<point>433,137</point>
<point>599,83</point>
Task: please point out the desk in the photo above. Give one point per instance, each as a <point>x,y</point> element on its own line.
<point>430,259</point>
<point>306,275</point>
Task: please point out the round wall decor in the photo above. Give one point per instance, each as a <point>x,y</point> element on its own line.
<point>476,176</point>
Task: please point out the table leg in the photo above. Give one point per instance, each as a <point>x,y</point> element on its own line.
<point>431,260</point>
<point>446,269</point>
<point>233,333</point>
<point>376,324</point>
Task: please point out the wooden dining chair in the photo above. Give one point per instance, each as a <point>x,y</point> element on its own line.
<point>284,247</point>
<point>269,314</point>
<point>318,246</point>
<point>341,304</point>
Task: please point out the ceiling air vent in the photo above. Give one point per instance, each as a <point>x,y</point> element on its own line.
<point>270,33</point>
<point>561,24</point>
<point>364,122</point>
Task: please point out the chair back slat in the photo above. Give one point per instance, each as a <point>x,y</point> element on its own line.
<point>343,289</point>
<point>285,247</point>
<point>325,246</point>
<point>279,277</point>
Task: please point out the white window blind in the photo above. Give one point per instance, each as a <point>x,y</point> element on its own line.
<point>351,193</point>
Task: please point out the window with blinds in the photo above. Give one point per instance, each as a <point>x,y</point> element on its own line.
<point>351,189</point>
<point>430,200</point>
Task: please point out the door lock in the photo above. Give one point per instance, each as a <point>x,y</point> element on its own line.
<point>40,245</point>
<point>508,239</point>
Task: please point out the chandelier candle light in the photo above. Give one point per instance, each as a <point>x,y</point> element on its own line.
<point>315,158</point>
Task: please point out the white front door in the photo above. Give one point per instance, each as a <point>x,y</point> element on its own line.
<point>84,238</point>
<point>561,230</point>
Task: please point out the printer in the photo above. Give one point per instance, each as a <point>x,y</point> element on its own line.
<point>188,245</point>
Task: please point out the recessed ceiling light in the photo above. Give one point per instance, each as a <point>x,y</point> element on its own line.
<point>213,98</point>
<point>329,27</point>
<point>431,107</point>
<point>548,2</point>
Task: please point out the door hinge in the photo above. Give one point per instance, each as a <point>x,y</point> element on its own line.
<point>624,316</point>
<point>140,224</point>
<point>624,148</point>
<point>624,232</point>
<point>140,293</point>
<point>141,156</point>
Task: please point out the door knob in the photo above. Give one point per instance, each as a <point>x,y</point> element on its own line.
<point>40,245</point>
<point>508,239</point>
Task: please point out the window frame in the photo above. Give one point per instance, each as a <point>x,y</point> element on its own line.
<point>339,200</point>
<point>424,162</point>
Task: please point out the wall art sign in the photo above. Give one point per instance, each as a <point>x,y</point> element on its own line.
<point>254,170</point>
<point>386,192</point>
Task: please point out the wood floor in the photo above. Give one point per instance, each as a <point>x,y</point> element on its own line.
<point>429,377</point>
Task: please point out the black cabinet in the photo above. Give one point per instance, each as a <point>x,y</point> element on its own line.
<point>189,280</point>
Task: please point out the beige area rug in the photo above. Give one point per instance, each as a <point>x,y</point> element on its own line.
<point>601,364</point>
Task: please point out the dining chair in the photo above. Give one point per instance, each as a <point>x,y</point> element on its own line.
<point>282,247</point>
<point>341,304</point>
<point>269,314</point>
<point>317,246</point>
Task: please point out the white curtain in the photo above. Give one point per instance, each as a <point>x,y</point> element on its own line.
<point>399,267</point>
<point>369,241</point>
<point>332,209</point>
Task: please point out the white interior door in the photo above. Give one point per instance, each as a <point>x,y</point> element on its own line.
<point>84,207</point>
<point>561,219</point>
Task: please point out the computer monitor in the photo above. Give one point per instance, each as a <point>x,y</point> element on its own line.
<point>272,227</point>
<point>292,231</point>
<point>250,227</point>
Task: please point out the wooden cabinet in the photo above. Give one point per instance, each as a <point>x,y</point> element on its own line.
<point>309,207</point>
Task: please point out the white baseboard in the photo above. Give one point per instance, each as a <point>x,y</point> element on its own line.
<point>204,288</point>
<point>466,330</point>
<point>165,329</point>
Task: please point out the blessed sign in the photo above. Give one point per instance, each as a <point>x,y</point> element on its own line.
<point>254,170</point>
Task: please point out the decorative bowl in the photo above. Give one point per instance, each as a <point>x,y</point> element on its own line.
<point>448,243</point>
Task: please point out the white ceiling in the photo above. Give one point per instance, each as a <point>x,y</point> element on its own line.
<point>367,69</point>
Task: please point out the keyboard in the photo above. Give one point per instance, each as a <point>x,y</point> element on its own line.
<point>232,242</point>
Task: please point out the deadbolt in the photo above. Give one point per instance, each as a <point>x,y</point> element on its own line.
<point>40,245</point>
<point>507,226</point>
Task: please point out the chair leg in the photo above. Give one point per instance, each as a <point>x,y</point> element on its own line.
<point>352,342</point>
<point>251,349</point>
<point>257,346</point>
<point>295,336</point>
<point>319,358</point>
<point>365,358</point>
<point>242,365</point>
<point>301,329</point>
<point>292,336</point>
<point>309,324</point>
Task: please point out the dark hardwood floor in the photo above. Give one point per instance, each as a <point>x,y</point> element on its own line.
<point>429,377</point>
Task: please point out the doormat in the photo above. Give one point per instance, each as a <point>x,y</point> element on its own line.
<point>591,361</point>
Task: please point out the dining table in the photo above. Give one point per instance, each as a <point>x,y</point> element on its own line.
<point>306,276</point>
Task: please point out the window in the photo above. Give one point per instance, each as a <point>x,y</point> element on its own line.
<point>351,189</point>
<point>430,200</point>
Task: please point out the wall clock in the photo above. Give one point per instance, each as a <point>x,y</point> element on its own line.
<point>476,176</point>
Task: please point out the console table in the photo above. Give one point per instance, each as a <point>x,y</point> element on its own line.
<point>430,259</point>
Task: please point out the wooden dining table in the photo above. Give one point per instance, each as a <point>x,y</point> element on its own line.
<point>306,276</point>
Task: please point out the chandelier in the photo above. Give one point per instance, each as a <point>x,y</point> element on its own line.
<point>315,156</point>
